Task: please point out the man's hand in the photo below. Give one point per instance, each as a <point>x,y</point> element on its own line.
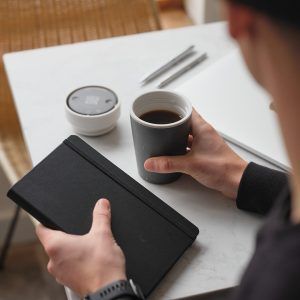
<point>210,160</point>
<point>85,263</point>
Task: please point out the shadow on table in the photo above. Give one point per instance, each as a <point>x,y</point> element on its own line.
<point>224,294</point>
<point>108,141</point>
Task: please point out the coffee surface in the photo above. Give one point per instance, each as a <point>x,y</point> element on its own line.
<point>160,117</point>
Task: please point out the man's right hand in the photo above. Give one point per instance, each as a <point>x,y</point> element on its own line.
<point>210,160</point>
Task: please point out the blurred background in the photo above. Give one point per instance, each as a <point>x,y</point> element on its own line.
<point>28,24</point>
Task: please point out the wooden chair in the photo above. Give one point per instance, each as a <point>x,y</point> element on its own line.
<point>28,24</point>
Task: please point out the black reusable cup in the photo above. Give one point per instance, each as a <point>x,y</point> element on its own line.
<point>151,139</point>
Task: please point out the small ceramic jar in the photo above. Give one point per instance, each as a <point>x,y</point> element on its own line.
<point>92,110</point>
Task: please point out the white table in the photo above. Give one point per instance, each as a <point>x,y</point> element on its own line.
<point>41,80</point>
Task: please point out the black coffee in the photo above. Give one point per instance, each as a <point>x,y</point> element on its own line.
<point>160,117</point>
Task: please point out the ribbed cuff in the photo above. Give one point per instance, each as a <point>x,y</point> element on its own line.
<point>259,188</point>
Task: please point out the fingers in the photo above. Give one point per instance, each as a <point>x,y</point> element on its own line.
<point>102,216</point>
<point>200,126</point>
<point>41,232</point>
<point>197,123</point>
<point>190,141</point>
<point>52,240</point>
<point>45,234</point>
<point>197,116</point>
<point>166,164</point>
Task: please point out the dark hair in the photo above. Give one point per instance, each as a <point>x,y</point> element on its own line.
<point>287,11</point>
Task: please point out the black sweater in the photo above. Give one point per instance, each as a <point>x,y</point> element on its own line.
<point>274,270</point>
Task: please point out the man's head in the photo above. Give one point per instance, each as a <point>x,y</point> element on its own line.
<point>287,11</point>
<point>260,26</point>
<point>268,32</point>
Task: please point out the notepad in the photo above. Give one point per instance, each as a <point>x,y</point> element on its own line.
<point>229,99</point>
<point>61,192</point>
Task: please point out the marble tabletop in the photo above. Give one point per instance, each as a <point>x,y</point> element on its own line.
<point>41,80</point>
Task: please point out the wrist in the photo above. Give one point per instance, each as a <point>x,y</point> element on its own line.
<point>95,285</point>
<point>233,173</point>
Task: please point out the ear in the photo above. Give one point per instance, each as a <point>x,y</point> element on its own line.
<point>240,18</point>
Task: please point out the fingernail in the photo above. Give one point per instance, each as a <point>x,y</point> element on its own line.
<point>148,165</point>
<point>99,203</point>
<point>104,203</point>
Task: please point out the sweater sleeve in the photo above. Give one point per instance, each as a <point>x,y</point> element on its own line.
<point>259,188</point>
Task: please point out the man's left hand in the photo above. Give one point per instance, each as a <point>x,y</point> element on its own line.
<point>89,262</point>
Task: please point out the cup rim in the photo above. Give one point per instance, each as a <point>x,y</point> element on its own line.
<point>162,126</point>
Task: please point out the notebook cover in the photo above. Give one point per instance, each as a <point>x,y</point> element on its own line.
<point>61,192</point>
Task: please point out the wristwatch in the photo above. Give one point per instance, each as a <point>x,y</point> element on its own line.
<point>117,289</point>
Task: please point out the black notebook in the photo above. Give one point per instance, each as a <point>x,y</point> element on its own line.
<point>61,192</point>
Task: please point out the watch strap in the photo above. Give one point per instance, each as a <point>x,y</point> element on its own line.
<point>115,290</point>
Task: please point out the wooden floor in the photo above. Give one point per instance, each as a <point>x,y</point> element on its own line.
<point>24,278</point>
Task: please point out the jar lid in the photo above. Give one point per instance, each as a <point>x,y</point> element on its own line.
<point>92,100</point>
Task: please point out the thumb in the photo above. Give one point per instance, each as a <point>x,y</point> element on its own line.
<point>166,164</point>
<point>101,216</point>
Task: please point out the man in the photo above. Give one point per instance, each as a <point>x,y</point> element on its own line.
<point>268,33</point>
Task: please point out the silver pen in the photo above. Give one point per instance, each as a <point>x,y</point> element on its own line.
<point>180,57</point>
<point>182,71</point>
